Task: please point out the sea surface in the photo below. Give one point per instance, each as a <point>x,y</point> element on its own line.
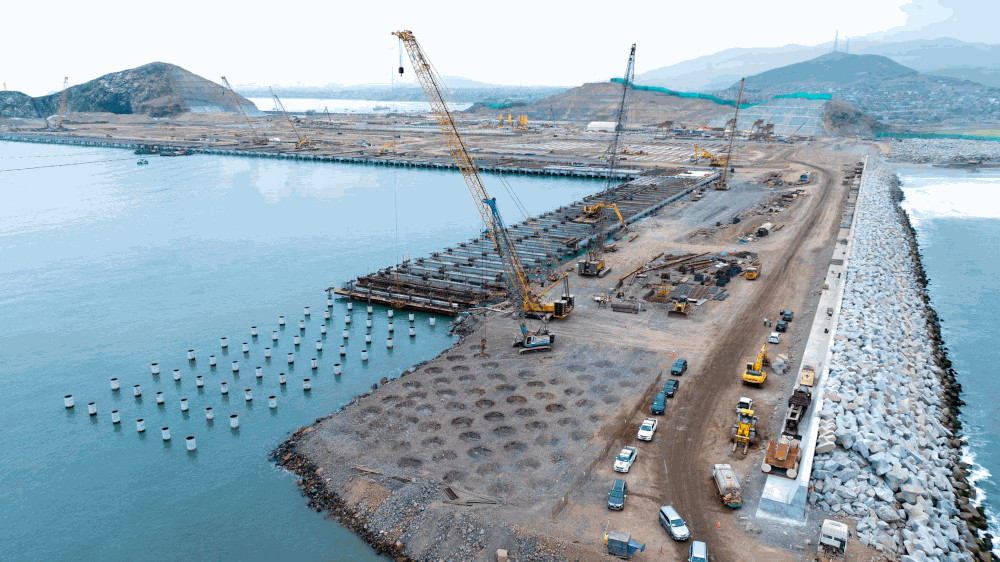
<point>107,266</point>
<point>956,215</point>
<point>319,105</point>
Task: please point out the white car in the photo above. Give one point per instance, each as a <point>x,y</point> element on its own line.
<point>625,459</point>
<point>646,429</point>
<point>775,338</point>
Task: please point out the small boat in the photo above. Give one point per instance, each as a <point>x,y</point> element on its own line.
<point>142,162</point>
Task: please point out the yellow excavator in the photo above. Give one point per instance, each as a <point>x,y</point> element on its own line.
<point>745,426</point>
<point>713,160</point>
<point>389,148</point>
<point>592,211</point>
<point>755,372</point>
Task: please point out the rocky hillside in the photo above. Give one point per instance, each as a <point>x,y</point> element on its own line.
<point>157,89</point>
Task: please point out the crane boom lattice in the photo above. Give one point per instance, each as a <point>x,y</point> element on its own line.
<point>515,276</point>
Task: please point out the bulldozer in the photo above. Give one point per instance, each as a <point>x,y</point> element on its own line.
<point>756,373</point>
<point>745,426</point>
<point>680,308</point>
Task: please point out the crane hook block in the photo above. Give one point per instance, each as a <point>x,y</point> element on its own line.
<point>401,71</point>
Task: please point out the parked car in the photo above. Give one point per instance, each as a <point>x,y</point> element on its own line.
<point>674,525</point>
<point>787,315</point>
<point>625,458</point>
<point>670,387</point>
<point>679,367</point>
<point>646,429</point>
<point>775,337</point>
<point>659,404</point>
<point>698,552</point>
<point>781,326</point>
<point>617,495</point>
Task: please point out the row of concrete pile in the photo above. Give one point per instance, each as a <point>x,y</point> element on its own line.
<point>944,151</point>
<point>891,462</point>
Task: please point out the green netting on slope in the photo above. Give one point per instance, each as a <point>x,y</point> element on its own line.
<point>718,100</point>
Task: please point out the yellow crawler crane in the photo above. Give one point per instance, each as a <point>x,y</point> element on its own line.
<point>756,372</point>
<point>518,285</point>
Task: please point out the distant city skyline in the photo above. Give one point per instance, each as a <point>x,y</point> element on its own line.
<point>557,44</point>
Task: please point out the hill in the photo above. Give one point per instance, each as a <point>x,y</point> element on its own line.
<point>893,93</point>
<point>156,89</point>
<point>828,72</point>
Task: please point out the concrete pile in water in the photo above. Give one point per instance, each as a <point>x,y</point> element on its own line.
<point>896,467</point>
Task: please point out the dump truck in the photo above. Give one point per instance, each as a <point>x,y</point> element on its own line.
<point>752,271</point>
<point>621,544</point>
<point>833,540</point>
<point>727,484</point>
<point>765,229</point>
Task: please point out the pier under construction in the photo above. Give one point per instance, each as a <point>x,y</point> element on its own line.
<point>458,278</point>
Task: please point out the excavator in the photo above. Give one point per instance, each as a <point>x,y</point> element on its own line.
<point>745,426</point>
<point>389,148</point>
<point>713,160</point>
<point>755,372</point>
<point>526,302</point>
<point>593,263</point>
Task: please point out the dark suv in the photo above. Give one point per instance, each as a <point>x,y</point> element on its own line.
<point>670,387</point>
<point>679,367</point>
<point>781,326</point>
<point>659,404</point>
<point>617,495</point>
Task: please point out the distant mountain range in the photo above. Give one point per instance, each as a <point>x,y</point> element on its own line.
<point>945,56</point>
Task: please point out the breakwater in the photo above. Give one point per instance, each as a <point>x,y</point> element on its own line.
<point>892,399</point>
<point>274,152</point>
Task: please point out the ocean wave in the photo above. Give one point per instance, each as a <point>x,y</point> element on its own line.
<point>950,197</point>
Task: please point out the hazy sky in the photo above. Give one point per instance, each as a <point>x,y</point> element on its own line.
<point>505,42</point>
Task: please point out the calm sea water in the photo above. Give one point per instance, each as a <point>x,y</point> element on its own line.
<point>108,266</point>
<point>957,218</point>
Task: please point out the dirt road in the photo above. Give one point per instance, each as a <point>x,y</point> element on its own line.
<point>708,414</point>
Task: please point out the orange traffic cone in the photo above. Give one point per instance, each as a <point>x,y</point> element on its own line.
<point>718,525</point>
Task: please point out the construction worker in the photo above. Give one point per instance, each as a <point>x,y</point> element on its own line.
<point>765,320</point>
